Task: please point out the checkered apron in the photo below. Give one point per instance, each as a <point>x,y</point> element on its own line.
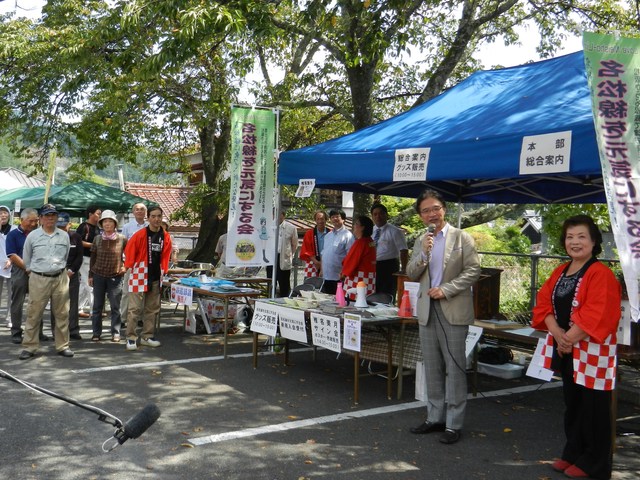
<point>138,278</point>
<point>594,364</point>
<point>310,270</point>
<point>368,278</point>
<point>547,351</point>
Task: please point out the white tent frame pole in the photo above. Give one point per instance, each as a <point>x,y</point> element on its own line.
<point>277,203</point>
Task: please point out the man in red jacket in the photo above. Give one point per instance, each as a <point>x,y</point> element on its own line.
<point>312,245</point>
<point>147,257</point>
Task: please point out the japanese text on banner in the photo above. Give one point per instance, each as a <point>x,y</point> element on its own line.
<point>612,66</point>
<point>251,233</point>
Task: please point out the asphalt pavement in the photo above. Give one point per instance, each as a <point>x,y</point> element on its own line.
<point>223,419</point>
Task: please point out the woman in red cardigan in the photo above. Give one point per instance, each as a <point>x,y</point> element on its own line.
<point>579,305</point>
<point>360,263</point>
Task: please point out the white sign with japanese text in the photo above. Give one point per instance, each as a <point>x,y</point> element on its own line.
<point>305,187</point>
<point>325,332</point>
<point>292,324</point>
<point>548,153</point>
<point>181,294</point>
<point>265,319</point>
<point>473,337</point>
<point>352,332</point>
<point>411,165</point>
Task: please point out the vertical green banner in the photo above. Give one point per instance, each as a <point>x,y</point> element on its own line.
<point>251,233</point>
<point>613,69</point>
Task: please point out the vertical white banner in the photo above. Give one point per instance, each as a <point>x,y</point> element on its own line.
<point>612,64</point>
<point>251,233</point>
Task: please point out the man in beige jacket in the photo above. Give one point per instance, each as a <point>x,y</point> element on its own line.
<point>446,264</point>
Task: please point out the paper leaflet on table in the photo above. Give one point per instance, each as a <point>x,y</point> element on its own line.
<point>536,367</point>
<point>352,332</point>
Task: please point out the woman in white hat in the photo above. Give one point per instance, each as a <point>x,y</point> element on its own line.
<point>106,269</point>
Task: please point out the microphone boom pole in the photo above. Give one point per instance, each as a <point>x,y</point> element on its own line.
<point>133,428</point>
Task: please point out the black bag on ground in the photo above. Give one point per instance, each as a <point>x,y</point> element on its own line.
<point>495,355</point>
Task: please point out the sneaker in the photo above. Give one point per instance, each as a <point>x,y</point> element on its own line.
<point>131,345</point>
<point>150,342</point>
<point>115,338</point>
<point>9,325</point>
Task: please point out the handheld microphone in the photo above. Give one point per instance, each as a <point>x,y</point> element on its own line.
<point>431,228</point>
<point>138,424</point>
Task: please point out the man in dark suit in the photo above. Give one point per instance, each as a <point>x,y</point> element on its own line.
<point>446,264</point>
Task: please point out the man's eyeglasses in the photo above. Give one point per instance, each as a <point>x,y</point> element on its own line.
<point>436,208</point>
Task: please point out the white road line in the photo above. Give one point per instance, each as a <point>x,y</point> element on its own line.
<point>281,427</point>
<point>165,363</point>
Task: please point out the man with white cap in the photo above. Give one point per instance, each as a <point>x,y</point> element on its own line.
<point>45,258</point>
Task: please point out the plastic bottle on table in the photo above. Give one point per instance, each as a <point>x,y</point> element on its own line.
<point>342,302</point>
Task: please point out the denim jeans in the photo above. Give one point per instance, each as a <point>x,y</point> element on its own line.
<point>111,287</point>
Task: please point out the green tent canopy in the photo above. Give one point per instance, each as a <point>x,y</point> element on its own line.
<point>74,199</point>
<point>8,197</point>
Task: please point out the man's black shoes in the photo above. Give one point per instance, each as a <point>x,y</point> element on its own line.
<point>450,436</point>
<point>25,354</point>
<point>428,427</point>
<point>17,339</point>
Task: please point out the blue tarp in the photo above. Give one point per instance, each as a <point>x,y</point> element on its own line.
<point>474,131</point>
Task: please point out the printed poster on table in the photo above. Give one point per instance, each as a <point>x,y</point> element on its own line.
<point>352,331</point>
<point>251,238</point>
<point>265,319</point>
<point>292,325</point>
<point>612,64</point>
<point>325,332</point>
<point>182,295</point>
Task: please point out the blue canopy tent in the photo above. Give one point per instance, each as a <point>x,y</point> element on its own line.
<point>475,132</point>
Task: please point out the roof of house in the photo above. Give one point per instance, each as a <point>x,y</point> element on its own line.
<point>169,197</point>
<point>533,218</point>
<point>24,179</point>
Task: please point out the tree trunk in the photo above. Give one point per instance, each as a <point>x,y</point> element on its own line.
<point>214,155</point>
<point>361,79</point>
